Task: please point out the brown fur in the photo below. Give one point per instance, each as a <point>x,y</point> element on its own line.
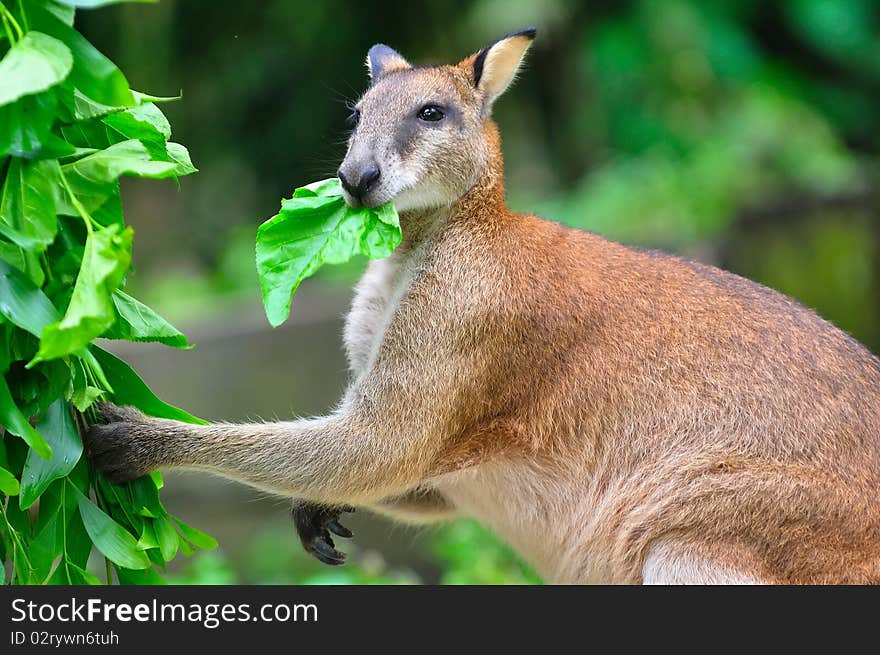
<point>585,399</point>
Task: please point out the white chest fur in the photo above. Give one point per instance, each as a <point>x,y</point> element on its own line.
<point>377,296</point>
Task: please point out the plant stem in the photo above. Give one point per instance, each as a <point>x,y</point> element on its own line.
<point>101,502</point>
<point>17,547</point>
<point>24,19</point>
<point>87,219</point>
<point>64,527</point>
<point>46,267</point>
<point>7,29</point>
<point>8,19</point>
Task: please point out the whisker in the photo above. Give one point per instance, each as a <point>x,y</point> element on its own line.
<point>344,98</point>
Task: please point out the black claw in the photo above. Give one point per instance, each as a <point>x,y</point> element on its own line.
<point>314,523</point>
<point>325,547</point>
<point>332,561</point>
<point>339,530</point>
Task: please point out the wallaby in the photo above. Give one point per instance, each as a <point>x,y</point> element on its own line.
<point>617,415</point>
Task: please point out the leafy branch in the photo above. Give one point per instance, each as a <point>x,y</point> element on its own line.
<point>70,127</point>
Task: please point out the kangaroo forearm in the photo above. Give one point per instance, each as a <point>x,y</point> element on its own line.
<point>336,459</point>
<point>323,460</point>
<point>281,456</point>
<point>417,506</point>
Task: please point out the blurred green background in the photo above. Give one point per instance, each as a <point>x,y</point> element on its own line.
<point>740,133</point>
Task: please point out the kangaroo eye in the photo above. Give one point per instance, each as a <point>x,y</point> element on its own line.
<point>430,113</point>
<point>353,118</point>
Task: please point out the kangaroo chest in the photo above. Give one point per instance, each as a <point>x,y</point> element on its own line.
<point>379,293</point>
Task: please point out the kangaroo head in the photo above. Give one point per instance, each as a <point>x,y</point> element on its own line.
<point>419,134</point>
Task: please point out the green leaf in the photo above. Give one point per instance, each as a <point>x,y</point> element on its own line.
<point>34,64</point>
<point>387,213</point>
<point>329,188</point>
<point>62,12</point>
<point>25,125</point>
<point>137,322</point>
<point>140,578</point>
<point>128,157</point>
<point>155,556</point>
<point>109,212</point>
<point>196,537</point>
<point>58,428</point>
<point>53,382</point>
<point>23,303</point>
<point>114,542</point>
<point>88,134</point>
<point>93,74</point>
<point>145,123</point>
<point>148,113</point>
<point>87,578</point>
<point>85,397</point>
<point>100,199</point>
<point>8,484</point>
<point>60,535</point>
<point>39,386</point>
<point>12,255</point>
<point>90,312</point>
<point>180,156</point>
<point>48,544</point>
<point>129,389</point>
<point>84,108</point>
<point>145,497</point>
<point>147,539</point>
<point>317,227</point>
<point>169,542</point>
<point>27,206</point>
<point>17,423</point>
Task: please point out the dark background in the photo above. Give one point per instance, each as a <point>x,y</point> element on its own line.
<point>740,133</point>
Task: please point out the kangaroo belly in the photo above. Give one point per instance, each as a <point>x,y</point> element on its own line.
<point>537,514</point>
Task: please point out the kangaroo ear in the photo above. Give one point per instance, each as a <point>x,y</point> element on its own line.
<point>495,66</point>
<point>382,60</point>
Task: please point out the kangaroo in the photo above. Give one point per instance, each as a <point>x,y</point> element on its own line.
<point>616,415</point>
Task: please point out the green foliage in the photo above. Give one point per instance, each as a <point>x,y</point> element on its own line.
<point>702,124</point>
<point>35,63</point>
<point>273,556</point>
<point>313,228</point>
<point>61,434</point>
<point>464,552</point>
<point>470,554</point>
<point>71,127</point>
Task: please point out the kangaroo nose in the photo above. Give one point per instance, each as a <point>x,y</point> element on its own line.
<point>359,185</point>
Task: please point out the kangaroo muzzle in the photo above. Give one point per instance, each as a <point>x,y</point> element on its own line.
<point>359,179</point>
